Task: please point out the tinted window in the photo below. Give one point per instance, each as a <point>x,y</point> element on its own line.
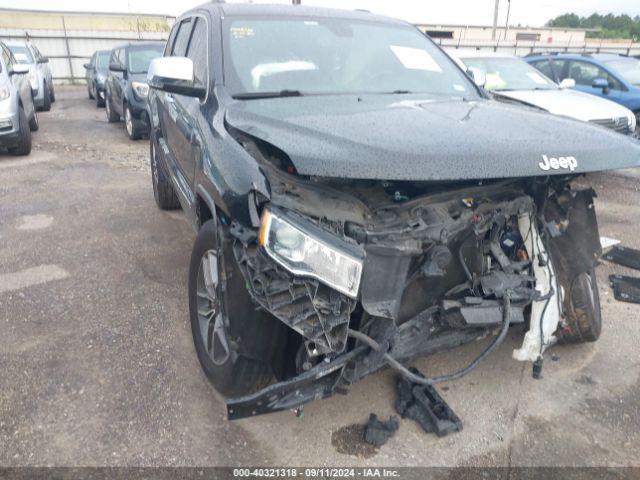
<point>198,52</point>
<point>335,55</point>
<point>584,73</point>
<point>102,61</point>
<point>182,39</point>
<point>114,57</point>
<point>627,68</point>
<point>544,66</point>
<point>139,58</point>
<point>510,74</point>
<point>22,54</point>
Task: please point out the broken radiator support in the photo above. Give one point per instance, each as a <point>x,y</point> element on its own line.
<point>405,372</point>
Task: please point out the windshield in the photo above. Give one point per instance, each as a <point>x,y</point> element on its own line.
<point>22,54</point>
<point>333,56</point>
<point>510,74</point>
<point>102,61</point>
<point>628,68</point>
<point>140,57</point>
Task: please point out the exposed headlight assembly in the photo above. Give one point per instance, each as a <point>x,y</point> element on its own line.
<point>141,89</point>
<point>4,92</point>
<point>306,250</point>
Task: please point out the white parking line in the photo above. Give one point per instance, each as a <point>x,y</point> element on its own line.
<point>35,222</point>
<point>31,276</point>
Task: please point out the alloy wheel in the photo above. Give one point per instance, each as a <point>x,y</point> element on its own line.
<point>213,330</point>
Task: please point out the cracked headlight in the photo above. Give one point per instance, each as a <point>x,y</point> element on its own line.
<point>306,250</point>
<point>141,89</point>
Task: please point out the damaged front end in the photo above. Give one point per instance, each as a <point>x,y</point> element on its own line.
<point>373,274</point>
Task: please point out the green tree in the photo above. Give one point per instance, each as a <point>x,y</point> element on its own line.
<point>603,26</point>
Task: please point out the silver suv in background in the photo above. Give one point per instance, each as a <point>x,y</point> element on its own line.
<point>40,76</point>
<point>18,117</point>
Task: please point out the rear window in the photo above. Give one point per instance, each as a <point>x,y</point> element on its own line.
<point>22,54</point>
<point>140,57</point>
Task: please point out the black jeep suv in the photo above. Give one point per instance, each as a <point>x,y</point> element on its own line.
<point>126,89</point>
<point>359,202</point>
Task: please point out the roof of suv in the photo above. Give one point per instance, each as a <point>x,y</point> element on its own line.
<point>232,9</point>
<point>600,57</point>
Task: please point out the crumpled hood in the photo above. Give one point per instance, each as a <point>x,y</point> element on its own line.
<point>410,137</point>
<point>571,103</point>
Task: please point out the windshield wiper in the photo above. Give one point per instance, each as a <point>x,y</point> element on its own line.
<point>258,95</point>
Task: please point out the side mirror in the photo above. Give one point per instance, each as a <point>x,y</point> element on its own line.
<point>174,75</point>
<point>478,75</point>
<point>43,60</point>
<point>19,69</point>
<point>568,83</point>
<point>600,83</point>
<point>87,66</point>
<point>116,67</point>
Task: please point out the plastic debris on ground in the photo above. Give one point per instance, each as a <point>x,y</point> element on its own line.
<point>625,289</point>
<point>377,432</point>
<point>423,404</point>
<point>627,257</point>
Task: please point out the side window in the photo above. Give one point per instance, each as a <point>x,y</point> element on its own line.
<point>6,59</point>
<point>172,38</point>
<point>93,61</point>
<point>121,55</point>
<point>114,57</point>
<point>182,39</point>
<point>545,67</point>
<point>198,52</point>
<point>584,73</point>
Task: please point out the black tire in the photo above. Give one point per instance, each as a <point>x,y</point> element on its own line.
<point>130,126</point>
<point>112,117</point>
<point>52,95</point>
<point>582,310</point>
<point>46,106</point>
<point>34,123</point>
<point>90,92</point>
<point>163,191</point>
<point>99,101</point>
<point>24,146</point>
<point>238,374</point>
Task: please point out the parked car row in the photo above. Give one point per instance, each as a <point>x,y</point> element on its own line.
<point>26,85</point>
<point>601,89</point>
<point>117,80</point>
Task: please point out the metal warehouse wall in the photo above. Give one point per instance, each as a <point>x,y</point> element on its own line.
<point>69,39</point>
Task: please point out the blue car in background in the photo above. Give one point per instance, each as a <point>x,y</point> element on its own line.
<point>614,77</point>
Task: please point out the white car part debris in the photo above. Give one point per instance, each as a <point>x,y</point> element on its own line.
<point>545,314</point>
<point>607,242</point>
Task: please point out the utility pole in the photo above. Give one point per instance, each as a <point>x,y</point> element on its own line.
<point>495,20</point>
<point>506,25</point>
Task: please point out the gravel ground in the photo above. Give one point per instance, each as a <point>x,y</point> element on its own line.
<point>98,367</point>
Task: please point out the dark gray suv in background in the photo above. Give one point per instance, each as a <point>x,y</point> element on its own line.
<point>96,75</point>
<point>126,87</point>
<point>359,202</point>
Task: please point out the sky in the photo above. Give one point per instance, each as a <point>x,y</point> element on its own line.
<point>472,12</point>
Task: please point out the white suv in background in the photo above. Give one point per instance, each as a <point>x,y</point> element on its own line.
<point>510,77</point>
<point>39,72</point>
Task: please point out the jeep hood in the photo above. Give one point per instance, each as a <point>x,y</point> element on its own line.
<point>410,137</point>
